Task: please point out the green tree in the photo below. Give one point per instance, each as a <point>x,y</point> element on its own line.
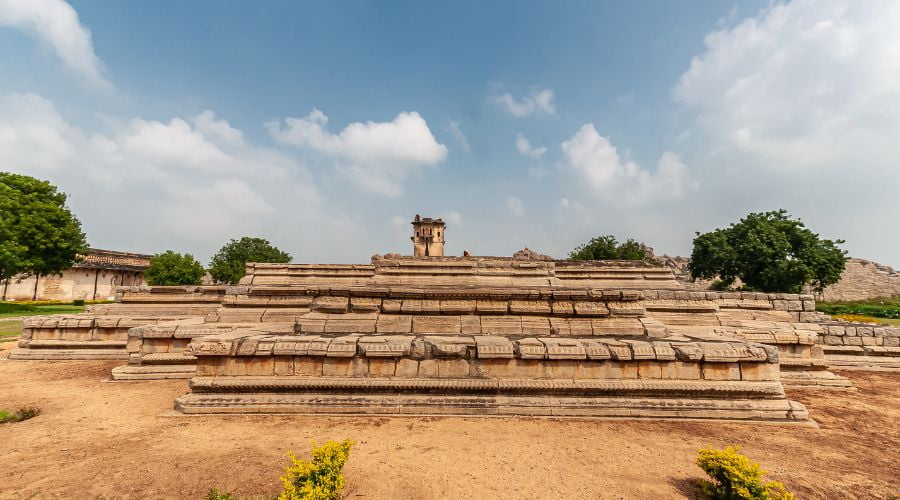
<point>228,265</point>
<point>39,235</point>
<point>608,248</point>
<point>768,252</point>
<point>171,268</point>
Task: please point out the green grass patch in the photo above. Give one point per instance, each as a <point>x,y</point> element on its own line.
<point>886,308</point>
<point>10,330</point>
<point>13,310</point>
<point>23,413</point>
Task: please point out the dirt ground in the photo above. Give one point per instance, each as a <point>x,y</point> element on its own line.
<point>100,439</point>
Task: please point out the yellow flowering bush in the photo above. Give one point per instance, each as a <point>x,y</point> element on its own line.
<point>736,477</point>
<point>321,478</point>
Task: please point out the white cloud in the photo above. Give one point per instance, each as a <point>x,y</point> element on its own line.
<point>56,23</point>
<point>597,162</point>
<point>459,136</point>
<point>186,183</point>
<point>524,147</point>
<point>375,156</point>
<point>515,206</point>
<point>539,101</point>
<point>803,94</point>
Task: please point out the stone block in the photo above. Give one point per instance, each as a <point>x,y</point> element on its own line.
<point>595,349</point>
<point>529,307</point>
<point>436,324</point>
<point>382,367</point>
<point>391,305</point>
<point>496,368</point>
<point>663,351</point>
<point>501,325</point>
<point>393,323</point>
<point>562,348</point>
<point>530,348</point>
<point>457,306</point>
<point>350,325</point>
<point>470,324</point>
<point>385,346</point>
<point>562,369</point>
<point>759,371</point>
<point>591,309</point>
<point>449,346</point>
<point>650,369</point>
<point>284,365</point>
<point>563,307</point>
<point>618,351</point>
<point>623,370</point>
<point>452,368</point>
<point>342,347</point>
<point>488,347</point>
<point>641,350</point>
<point>809,305</point>
<point>721,371</point>
<point>330,304</point>
<point>309,366</point>
<point>685,370</point>
<point>365,304</point>
<point>850,341</point>
<point>428,368</point>
<point>891,341</point>
<point>408,368</point>
<point>534,325</point>
<point>492,306</point>
<point>832,340</point>
<point>206,367</point>
<point>261,366</point>
<point>592,370</point>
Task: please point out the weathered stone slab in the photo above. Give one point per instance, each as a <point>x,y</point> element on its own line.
<point>488,347</point>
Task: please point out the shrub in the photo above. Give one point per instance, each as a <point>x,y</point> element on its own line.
<point>24,413</point>
<point>12,308</point>
<point>78,302</point>
<point>736,477</point>
<point>768,252</point>
<point>321,478</point>
<point>216,494</point>
<point>171,268</point>
<point>608,248</point>
<point>856,318</point>
<point>228,265</point>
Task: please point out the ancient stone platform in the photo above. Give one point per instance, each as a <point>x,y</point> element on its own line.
<point>479,336</point>
<point>102,331</point>
<point>860,346</point>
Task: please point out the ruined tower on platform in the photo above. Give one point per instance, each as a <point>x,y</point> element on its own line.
<point>428,237</point>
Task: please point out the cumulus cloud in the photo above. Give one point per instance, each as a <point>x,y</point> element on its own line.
<point>186,183</point>
<point>805,93</point>
<point>598,164</point>
<point>538,101</point>
<point>55,23</point>
<point>375,156</point>
<point>515,206</point>
<point>524,147</point>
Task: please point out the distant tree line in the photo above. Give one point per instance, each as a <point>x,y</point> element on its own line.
<point>768,251</point>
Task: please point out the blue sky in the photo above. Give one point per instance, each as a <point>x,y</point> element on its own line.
<point>325,126</point>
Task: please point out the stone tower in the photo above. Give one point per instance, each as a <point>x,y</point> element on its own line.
<point>428,237</point>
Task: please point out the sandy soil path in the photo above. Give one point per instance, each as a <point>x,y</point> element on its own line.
<point>99,439</point>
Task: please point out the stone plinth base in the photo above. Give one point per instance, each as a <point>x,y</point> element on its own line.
<point>63,354</point>
<point>815,379</point>
<point>739,401</point>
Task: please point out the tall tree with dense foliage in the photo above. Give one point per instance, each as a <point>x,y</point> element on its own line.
<point>768,252</point>
<point>608,248</point>
<point>39,235</point>
<point>172,268</point>
<point>228,265</point>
